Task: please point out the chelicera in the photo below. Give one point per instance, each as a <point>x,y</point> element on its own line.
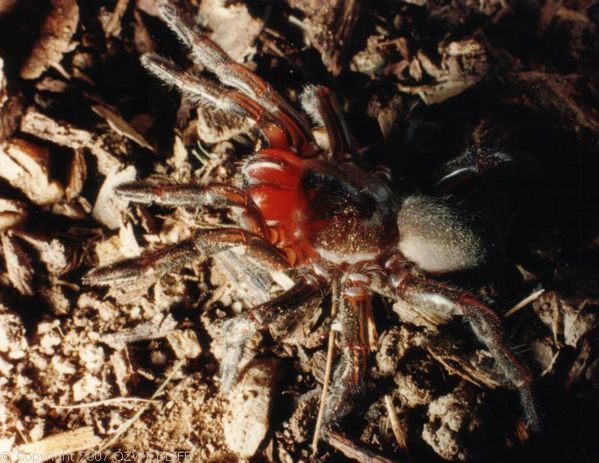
<point>315,214</point>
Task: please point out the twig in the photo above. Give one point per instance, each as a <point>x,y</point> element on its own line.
<point>98,403</point>
<point>127,424</point>
<point>327,372</point>
<point>351,450</point>
<point>524,302</point>
<point>398,432</point>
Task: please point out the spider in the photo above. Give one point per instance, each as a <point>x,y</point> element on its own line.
<point>313,213</point>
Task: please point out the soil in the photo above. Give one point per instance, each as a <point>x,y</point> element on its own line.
<point>507,88</point>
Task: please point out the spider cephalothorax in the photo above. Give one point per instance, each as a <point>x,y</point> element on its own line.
<point>315,211</point>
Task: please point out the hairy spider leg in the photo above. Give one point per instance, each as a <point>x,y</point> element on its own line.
<point>186,195</point>
<point>239,330</point>
<point>235,75</point>
<point>202,245</point>
<point>204,90</point>
<point>485,324</point>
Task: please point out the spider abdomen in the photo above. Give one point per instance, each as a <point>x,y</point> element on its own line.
<point>442,238</point>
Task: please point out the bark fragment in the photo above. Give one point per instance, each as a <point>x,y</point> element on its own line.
<point>56,34</point>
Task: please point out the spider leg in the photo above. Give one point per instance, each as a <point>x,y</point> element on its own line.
<point>255,90</point>
<point>192,85</point>
<point>227,99</point>
<point>210,194</point>
<point>320,102</point>
<point>350,322</point>
<point>485,324</point>
<point>204,244</point>
<point>239,331</point>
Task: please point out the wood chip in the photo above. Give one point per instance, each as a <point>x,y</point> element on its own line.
<point>329,26</point>
<point>218,15</point>
<point>154,329</point>
<point>109,208</point>
<point>352,450</point>
<point>11,213</point>
<point>121,369</point>
<point>10,107</point>
<point>563,97</point>
<point>77,175</point>
<point>184,343</point>
<point>248,418</point>
<point>54,40</point>
<point>113,27</point>
<point>3,91</point>
<point>18,265</point>
<point>64,134</point>
<point>26,167</point>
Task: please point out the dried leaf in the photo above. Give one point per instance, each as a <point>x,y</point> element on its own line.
<point>120,126</point>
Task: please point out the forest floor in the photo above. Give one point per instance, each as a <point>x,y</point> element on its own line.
<point>509,89</point>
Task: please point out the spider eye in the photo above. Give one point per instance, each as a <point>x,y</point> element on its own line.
<point>311,179</point>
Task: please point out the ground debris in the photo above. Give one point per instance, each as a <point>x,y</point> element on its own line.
<point>10,107</point>
<point>454,426</point>
<point>566,99</point>
<point>65,134</point>
<point>569,319</point>
<point>11,213</point>
<point>216,15</point>
<point>18,264</point>
<point>59,445</point>
<point>26,167</point>
<point>55,37</point>
<point>248,417</point>
<point>328,27</point>
<point>463,64</point>
<point>79,115</point>
<point>109,208</point>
